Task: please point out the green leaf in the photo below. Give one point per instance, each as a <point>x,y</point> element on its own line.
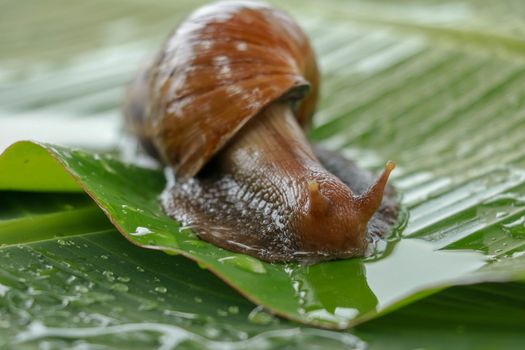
<point>30,168</point>
<point>437,87</point>
<point>333,294</point>
<point>95,286</point>
<point>24,219</point>
<point>483,316</point>
<point>95,290</point>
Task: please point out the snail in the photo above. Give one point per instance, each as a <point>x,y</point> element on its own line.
<point>224,105</point>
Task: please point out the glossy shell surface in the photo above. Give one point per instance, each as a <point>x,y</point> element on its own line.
<point>220,67</point>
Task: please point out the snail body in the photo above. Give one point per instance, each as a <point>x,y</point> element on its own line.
<point>224,104</point>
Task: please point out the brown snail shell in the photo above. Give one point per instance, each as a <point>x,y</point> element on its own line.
<point>220,68</point>
<point>224,104</point>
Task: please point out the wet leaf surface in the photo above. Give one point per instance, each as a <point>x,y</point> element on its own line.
<point>334,294</point>
<point>436,87</point>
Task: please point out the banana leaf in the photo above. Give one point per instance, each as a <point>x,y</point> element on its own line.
<point>437,87</point>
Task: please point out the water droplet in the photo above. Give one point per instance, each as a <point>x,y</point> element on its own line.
<point>148,306</point>
<point>109,275</point>
<point>518,254</point>
<point>140,269</point>
<point>3,290</point>
<point>104,257</point>
<point>234,310</point>
<point>211,332</point>
<point>259,316</point>
<point>123,279</point>
<point>245,262</point>
<point>120,287</point>
<point>63,242</point>
<point>241,46</point>
<point>198,300</point>
<point>141,231</point>
<point>222,313</point>
<point>196,243</point>
<point>81,288</point>
<point>520,222</point>
<point>186,315</point>
<point>170,252</point>
<point>501,214</point>
<point>161,289</point>
<point>138,210</point>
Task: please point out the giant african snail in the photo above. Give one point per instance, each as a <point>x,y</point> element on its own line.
<point>224,104</point>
